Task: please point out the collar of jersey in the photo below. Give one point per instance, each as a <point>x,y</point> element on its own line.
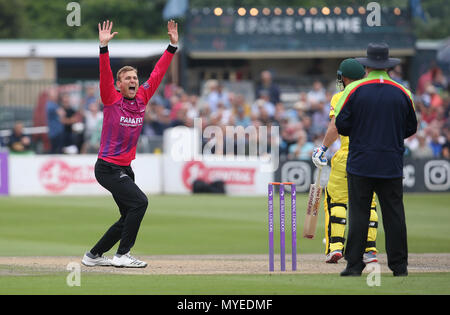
<point>376,74</point>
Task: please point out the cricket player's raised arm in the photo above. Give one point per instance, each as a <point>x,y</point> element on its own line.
<point>108,93</point>
<point>147,89</point>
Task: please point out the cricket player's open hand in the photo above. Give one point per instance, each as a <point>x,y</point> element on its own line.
<point>104,32</point>
<point>172,30</point>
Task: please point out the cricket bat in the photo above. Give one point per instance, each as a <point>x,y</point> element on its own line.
<point>312,210</point>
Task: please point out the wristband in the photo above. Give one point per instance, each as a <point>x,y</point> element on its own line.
<point>172,49</point>
<point>323,148</point>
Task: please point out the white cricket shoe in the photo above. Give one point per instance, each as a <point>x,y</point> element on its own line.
<point>127,261</point>
<point>370,257</point>
<point>333,257</point>
<point>91,261</point>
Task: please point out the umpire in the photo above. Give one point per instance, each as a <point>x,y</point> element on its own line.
<point>377,114</point>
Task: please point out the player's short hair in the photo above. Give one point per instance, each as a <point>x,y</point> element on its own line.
<point>125,69</point>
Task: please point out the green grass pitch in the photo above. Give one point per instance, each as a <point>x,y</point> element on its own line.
<point>197,225</point>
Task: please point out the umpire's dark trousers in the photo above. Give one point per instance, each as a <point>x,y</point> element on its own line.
<point>132,203</point>
<point>390,196</point>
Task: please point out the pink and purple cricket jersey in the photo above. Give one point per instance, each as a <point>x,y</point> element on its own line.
<point>123,118</point>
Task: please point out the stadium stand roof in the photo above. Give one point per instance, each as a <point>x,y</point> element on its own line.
<point>79,48</point>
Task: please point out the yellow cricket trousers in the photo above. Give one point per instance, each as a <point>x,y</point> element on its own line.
<point>335,205</point>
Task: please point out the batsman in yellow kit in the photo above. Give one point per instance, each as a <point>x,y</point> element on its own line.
<point>336,192</point>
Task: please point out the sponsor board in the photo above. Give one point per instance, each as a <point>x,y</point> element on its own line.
<point>73,175</point>
<point>240,177</point>
<point>424,175</point>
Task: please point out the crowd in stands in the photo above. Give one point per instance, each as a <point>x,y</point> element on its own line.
<point>432,101</point>
<point>76,128</point>
<point>73,129</point>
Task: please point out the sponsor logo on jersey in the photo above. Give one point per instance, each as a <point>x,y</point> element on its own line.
<point>131,121</point>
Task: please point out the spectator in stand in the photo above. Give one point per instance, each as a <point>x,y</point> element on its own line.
<point>156,120</point>
<point>436,142</point>
<point>222,115</point>
<point>18,142</point>
<point>93,119</point>
<point>316,95</point>
<point>263,102</point>
<point>194,101</point>
<point>175,105</point>
<point>68,119</point>
<point>439,81</point>
<point>425,79</point>
<point>396,74</point>
<point>411,144</point>
<point>91,96</point>
<point>446,146</point>
<point>218,95</point>
<point>434,76</point>
<point>239,117</point>
<point>440,119</point>
<point>280,113</point>
<point>169,88</point>
<point>307,126</point>
<point>182,102</point>
<point>265,118</point>
<point>289,133</point>
<point>303,97</point>
<point>432,97</point>
<point>271,89</point>
<point>192,110</point>
<point>320,118</point>
<point>181,116</point>
<point>302,149</point>
<point>446,107</point>
<point>298,111</point>
<point>205,116</point>
<point>55,126</point>
<point>238,104</point>
<point>423,149</point>
<point>427,112</point>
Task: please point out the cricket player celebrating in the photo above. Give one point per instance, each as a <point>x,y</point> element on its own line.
<point>336,193</point>
<point>122,124</point>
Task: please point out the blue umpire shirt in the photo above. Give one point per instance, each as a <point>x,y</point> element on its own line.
<point>377,114</point>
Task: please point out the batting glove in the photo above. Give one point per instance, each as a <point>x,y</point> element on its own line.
<point>318,157</point>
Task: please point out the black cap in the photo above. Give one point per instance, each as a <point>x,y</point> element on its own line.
<point>378,57</point>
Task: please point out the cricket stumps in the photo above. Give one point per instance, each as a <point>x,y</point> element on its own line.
<point>282,225</point>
